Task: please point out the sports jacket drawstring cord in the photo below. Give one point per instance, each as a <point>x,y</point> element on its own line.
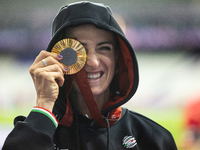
<point>77,134</point>
<point>108,132</point>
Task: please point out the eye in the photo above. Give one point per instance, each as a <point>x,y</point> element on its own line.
<point>105,48</point>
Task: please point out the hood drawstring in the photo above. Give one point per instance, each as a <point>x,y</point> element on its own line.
<point>77,134</point>
<point>108,131</point>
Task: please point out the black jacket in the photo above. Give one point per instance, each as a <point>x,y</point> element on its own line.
<point>77,132</point>
<point>85,134</point>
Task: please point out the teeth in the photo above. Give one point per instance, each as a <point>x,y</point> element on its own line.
<point>93,76</point>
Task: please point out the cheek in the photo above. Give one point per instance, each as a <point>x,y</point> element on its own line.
<point>111,66</point>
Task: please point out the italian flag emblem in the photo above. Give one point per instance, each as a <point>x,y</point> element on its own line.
<point>129,142</point>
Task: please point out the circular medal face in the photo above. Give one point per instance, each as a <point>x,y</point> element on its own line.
<point>73,52</point>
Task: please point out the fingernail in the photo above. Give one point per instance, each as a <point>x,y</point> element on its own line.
<point>59,56</point>
<point>65,68</point>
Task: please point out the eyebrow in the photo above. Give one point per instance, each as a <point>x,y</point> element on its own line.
<point>101,43</point>
<point>108,42</point>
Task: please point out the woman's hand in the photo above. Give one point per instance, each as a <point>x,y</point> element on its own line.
<point>47,78</point>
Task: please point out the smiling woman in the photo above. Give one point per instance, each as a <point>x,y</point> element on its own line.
<point>100,64</point>
<point>80,111</point>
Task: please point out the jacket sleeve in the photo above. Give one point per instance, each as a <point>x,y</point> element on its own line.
<point>34,133</point>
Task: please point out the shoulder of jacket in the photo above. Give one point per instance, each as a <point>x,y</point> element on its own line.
<point>148,130</point>
<point>144,121</point>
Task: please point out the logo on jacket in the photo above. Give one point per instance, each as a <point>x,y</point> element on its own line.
<point>57,148</point>
<point>129,142</point>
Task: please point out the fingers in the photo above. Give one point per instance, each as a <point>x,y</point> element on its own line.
<point>52,73</point>
<point>43,54</point>
<point>45,59</point>
<point>48,61</point>
<point>44,62</point>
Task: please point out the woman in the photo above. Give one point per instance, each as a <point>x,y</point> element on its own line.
<point>82,111</point>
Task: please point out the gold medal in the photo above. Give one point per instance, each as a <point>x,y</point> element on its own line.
<point>73,52</point>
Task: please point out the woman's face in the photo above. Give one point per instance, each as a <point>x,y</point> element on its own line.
<point>101,57</point>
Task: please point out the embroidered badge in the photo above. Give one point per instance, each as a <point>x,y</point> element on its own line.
<point>57,148</point>
<point>129,142</point>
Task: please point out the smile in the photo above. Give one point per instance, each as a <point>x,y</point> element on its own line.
<point>94,75</point>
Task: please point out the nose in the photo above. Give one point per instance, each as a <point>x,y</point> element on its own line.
<point>92,60</point>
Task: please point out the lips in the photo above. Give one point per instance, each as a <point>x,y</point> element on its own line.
<point>94,75</point>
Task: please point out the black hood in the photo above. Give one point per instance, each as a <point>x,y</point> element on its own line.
<point>101,16</point>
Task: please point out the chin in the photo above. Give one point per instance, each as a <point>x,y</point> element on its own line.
<point>99,92</point>
<point>96,92</point>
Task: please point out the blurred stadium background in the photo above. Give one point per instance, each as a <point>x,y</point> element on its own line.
<point>164,33</point>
